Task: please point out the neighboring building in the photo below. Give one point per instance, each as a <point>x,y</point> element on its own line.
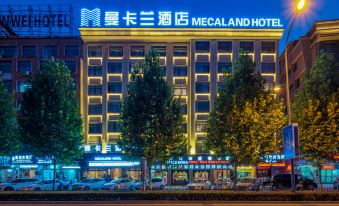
<point>302,53</point>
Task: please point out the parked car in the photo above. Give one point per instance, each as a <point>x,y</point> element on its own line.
<point>283,181</point>
<point>248,183</point>
<point>199,184</point>
<point>89,184</point>
<point>45,185</point>
<point>157,184</point>
<point>17,184</point>
<point>119,184</point>
<point>222,184</point>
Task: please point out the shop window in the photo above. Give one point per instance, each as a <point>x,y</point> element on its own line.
<point>201,148</point>
<point>8,52</point>
<point>114,87</point>
<point>72,66</point>
<point>95,109</point>
<point>180,51</point>
<point>114,107</point>
<point>202,67</point>
<point>247,46</point>
<point>24,67</point>
<point>94,71</point>
<point>6,66</point>
<point>114,67</point>
<point>227,67</point>
<point>50,51</point>
<point>202,106</point>
<point>268,68</point>
<point>224,47</point>
<point>113,126</point>
<point>160,49</point>
<point>137,51</point>
<point>116,51</point>
<point>29,51</point>
<point>94,90</point>
<point>95,128</point>
<point>202,87</point>
<point>180,71</point>
<point>71,51</point>
<point>202,47</point>
<point>94,51</point>
<point>268,46</point>
<point>180,91</point>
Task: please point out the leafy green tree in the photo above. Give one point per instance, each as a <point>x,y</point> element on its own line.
<point>246,117</point>
<point>51,122</point>
<point>9,142</point>
<point>151,119</point>
<point>316,111</point>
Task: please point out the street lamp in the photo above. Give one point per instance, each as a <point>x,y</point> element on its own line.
<point>300,7</point>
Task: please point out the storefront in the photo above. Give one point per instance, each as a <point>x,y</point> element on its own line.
<point>5,169</point>
<point>270,165</point>
<point>110,166</point>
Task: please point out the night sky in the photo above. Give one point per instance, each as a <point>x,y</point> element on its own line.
<point>316,9</point>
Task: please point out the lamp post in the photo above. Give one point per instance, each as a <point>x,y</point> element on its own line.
<point>300,6</point>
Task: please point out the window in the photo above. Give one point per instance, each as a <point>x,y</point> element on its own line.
<point>184,109</point>
<point>202,46</point>
<point>72,66</point>
<point>50,51</point>
<point>94,90</point>
<point>180,51</point>
<point>18,105</point>
<point>267,67</point>
<point>114,107</point>
<point>201,148</point>
<point>180,91</point>
<point>137,51</point>
<point>8,52</point>
<point>161,50</point>
<point>113,126</point>
<point>247,46</point>
<point>180,71</point>
<point>202,67</point>
<point>95,128</point>
<point>224,46</point>
<point>268,46</point>
<point>115,51</point>
<point>21,86</point>
<point>114,67</point>
<point>114,87</point>
<point>184,126</point>
<point>44,64</point>
<point>202,106</point>
<point>24,67</point>
<point>29,51</point>
<point>202,87</point>
<point>94,71</point>
<point>199,126</point>
<point>6,66</point>
<point>227,67</point>
<point>132,66</point>
<point>7,85</point>
<point>94,109</point>
<point>71,51</point>
<point>94,51</point>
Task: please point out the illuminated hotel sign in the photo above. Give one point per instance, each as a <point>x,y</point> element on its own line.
<point>169,19</point>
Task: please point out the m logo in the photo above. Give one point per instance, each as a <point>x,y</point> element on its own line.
<point>90,18</point>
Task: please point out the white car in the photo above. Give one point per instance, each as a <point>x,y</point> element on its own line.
<point>45,185</point>
<point>157,184</point>
<point>119,184</point>
<point>17,184</point>
<point>89,184</point>
<point>222,184</point>
<point>199,184</point>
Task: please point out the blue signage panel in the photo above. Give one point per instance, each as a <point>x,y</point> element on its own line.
<point>168,19</point>
<point>291,142</point>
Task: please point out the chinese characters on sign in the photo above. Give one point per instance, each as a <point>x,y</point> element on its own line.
<point>92,18</point>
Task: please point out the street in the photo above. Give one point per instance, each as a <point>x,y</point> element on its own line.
<point>167,203</point>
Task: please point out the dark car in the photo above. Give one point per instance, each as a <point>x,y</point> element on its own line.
<point>283,181</point>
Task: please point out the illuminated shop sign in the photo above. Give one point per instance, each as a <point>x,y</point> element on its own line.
<point>5,161</point>
<point>195,160</point>
<point>170,19</point>
<point>113,164</point>
<point>98,148</point>
<point>107,158</point>
<point>29,159</point>
<point>271,158</point>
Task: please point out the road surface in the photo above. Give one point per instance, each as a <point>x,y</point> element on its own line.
<point>164,203</point>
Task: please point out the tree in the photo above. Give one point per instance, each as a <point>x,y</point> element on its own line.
<point>316,110</point>
<point>151,119</point>
<point>9,142</point>
<point>51,122</point>
<point>245,119</point>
